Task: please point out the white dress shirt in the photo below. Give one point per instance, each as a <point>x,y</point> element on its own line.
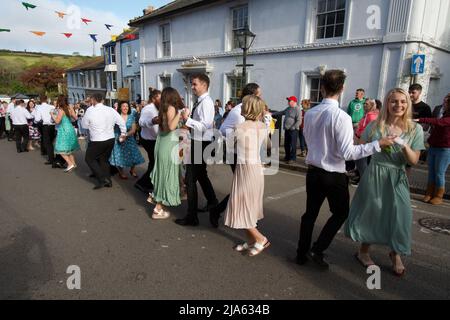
<point>232,120</point>
<point>202,121</point>
<point>10,108</point>
<point>149,130</point>
<point>100,121</point>
<point>20,116</point>
<point>42,113</point>
<point>328,132</point>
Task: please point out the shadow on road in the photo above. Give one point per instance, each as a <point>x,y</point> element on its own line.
<point>24,264</point>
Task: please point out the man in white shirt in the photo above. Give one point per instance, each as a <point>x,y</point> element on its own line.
<point>9,109</point>
<point>19,118</point>
<point>227,129</point>
<point>149,134</point>
<point>44,119</point>
<point>100,120</point>
<point>202,126</point>
<point>329,134</point>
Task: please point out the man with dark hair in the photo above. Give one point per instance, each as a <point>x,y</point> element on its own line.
<point>201,124</point>
<point>329,134</point>
<point>19,117</point>
<point>100,120</point>
<point>420,110</point>
<point>228,126</point>
<point>9,109</point>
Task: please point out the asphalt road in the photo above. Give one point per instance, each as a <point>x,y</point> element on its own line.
<point>50,220</point>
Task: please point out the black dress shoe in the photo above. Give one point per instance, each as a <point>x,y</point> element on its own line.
<point>48,163</point>
<point>301,260</point>
<point>318,259</point>
<point>92,175</point>
<point>208,207</point>
<point>141,188</point>
<point>214,217</point>
<point>187,221</point>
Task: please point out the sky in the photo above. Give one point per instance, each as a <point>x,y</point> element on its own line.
<point>43,18</point>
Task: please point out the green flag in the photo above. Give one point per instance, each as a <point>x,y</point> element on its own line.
<point>5,30</point>
<point>28,5</point>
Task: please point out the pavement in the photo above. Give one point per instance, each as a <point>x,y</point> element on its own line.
<point>50,220</point>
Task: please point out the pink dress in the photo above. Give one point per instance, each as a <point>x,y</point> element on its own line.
<point>245,207</point>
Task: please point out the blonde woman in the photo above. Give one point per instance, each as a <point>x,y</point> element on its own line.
<point>245,207</point>
<point>381,212</point>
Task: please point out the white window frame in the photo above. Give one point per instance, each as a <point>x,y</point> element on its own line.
<point>129,55</point>
<point>112,54</point>
<point>98,79</point>
<point>229,87</point>
<point>162,78</point>
<point>311,22</point>
<point>113,78</point>
<point>163,41</point>
<point>235,29</point>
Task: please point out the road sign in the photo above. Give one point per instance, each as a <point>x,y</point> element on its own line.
<point>418,64</point>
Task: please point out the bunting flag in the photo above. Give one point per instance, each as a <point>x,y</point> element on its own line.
<point>130,36</point>
<point>68,35</point>
<point>28,5</point>
<point>114,38</point>
<point>126,30</point>
<point>38,33</point>
<point>61,14</point>
<point>108,26</point>
<point>94,37</point>
<point>86,21</point>
<point>5,30</point>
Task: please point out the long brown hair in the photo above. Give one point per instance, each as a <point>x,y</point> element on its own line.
<point>63,104</point>
<point>169,97</point>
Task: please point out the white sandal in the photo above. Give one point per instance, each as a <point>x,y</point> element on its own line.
<point>242,247</point>
<point>151,199</point>
<point>160,215</point>
<point>258,248</point>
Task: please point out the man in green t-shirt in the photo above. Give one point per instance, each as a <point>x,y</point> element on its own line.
<point>356,107</point>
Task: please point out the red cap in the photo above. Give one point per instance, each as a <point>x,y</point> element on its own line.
<point>293,98</point>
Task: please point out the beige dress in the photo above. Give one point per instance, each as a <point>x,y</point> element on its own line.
<point>245,206</point>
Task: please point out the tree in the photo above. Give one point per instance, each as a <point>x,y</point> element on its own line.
<point>45,77</point>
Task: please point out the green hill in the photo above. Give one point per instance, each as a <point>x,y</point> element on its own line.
<point>14,63</point>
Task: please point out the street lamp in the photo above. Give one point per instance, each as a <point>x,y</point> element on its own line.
<point>245,39</point>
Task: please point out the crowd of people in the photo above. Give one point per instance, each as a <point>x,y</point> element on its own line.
<point>380,139</point>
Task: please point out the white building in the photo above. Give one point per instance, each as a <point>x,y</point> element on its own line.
<point>372,40</point>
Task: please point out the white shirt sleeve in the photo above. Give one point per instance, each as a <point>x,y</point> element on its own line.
<point>145,120</point>
<point>344,141</point>
<point>85,121</point>
<point>28,114</point>
<point>206,115</point>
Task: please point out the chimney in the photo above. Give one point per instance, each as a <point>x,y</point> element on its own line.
<point>149,10</point>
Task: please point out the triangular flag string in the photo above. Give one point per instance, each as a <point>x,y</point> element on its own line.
<point>28,5</point>
<point>5,30</point>
<point>68,35</point>
<point>61,14</point>
<point>86,21</point>
<point>38,33</point>
<point>108,26</point>
<point>94,37</point>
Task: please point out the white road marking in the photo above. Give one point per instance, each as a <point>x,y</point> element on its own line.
<point>292,174</point>
<point>431,213</point>
<point>285,194</point>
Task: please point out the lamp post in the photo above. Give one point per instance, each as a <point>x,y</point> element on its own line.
<point>245,40</point>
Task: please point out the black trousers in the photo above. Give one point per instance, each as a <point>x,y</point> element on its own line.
<point>321,184</point>
<point>290,144</point>
<point>198,172</point>
<point>49,135</point>
<point>97,158</point>
<point>149,146</point>
<point>41,132</point>
<point>2,126</point>
<point>22,136</point>
<point>11,134</point>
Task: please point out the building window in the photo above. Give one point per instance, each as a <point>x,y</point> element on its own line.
<point>314,91</point>
<point>113,81</point>
<point>112,55</point>
<point>165,82</point>
<point>87,80</point>
<point>165,40</point>
<point>240,20</point>
<point>129,56</point>
<point>330,19</point>
<point>235,85</point>
<point>99,85</point>
<point>92,79</point>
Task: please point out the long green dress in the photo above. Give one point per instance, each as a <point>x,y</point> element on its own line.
<point>66,138</point>
<point>380,211</point>
<point>166,172</point>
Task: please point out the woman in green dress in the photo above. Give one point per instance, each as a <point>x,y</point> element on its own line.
<point>66,137</point>
<point>381,212</point>
<point>166,172</point>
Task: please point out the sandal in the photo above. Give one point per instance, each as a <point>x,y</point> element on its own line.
<point>361,261</point>
<point>151,199</point>
<point>396,272</point>
<point>241,247</point>
<point>133,174</point>
<point>258,248</point>
<point>160,215</point>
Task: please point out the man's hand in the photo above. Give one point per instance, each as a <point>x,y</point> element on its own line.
<point>122,138</point>
<point>185,113</point>
<point>156,120</point>
<point>387,141</point>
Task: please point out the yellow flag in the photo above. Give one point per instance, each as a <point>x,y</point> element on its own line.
<point>114,38</point>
